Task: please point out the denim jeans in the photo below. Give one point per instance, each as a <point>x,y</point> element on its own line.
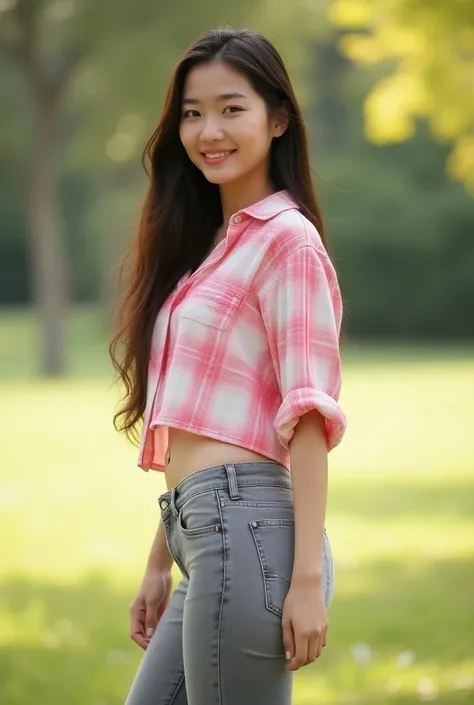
<point>230,529</point>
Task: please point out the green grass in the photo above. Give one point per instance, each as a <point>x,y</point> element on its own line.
<point>77,518</point>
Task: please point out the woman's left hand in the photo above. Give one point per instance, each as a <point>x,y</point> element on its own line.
<point>304,622</point>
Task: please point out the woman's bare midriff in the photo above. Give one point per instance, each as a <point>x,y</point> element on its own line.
<point>188,452</point>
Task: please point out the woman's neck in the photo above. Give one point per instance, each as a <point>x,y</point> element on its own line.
<point>235,197</point>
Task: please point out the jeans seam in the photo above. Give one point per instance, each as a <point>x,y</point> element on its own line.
<point>221,609</point>
<point>176,690</point>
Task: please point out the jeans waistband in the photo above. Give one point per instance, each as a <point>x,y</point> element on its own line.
<point>230,476</point>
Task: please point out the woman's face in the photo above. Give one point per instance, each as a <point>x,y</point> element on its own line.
<point>225,128</point>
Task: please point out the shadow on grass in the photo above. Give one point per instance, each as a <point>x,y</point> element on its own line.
<point>69,645</point>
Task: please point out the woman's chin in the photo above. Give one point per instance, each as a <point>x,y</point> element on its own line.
<point>220,179</point>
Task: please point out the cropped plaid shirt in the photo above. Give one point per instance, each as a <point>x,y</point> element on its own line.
<point>249,342</point>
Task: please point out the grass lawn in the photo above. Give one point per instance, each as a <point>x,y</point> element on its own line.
<point>77,518</point>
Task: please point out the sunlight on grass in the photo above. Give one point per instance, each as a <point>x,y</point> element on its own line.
<point>390,679</point>
<point>78,516</point>
<point>409,422</point>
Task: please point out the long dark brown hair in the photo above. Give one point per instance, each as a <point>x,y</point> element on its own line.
<point>182,210</point>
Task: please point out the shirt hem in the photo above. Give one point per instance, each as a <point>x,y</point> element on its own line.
<point>201,431</point>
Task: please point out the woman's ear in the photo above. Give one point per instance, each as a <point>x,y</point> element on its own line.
<point>280,121</point>
<point>280,129</point>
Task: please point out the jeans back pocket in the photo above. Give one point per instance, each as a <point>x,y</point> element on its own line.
<point>274,541</point>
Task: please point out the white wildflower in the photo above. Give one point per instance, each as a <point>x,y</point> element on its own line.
<point>362,654</point>
<point>405,659</point>
<point>427,689</point>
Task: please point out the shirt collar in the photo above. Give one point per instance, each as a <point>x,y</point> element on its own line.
<point>271,206</point>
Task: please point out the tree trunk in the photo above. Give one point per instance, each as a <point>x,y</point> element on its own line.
<point>48,261</point>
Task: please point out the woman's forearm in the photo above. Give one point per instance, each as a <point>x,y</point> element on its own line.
<point>159,558</point>
<point>309,471</point>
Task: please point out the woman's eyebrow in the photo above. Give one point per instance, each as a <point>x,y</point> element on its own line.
<point>225,96</point>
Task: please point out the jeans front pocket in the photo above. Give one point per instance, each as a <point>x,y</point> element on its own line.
<point>198,531</point>
<point>199,515</point>
<point>274,541</point>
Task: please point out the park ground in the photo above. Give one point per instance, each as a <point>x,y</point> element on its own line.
<point>77,517</point>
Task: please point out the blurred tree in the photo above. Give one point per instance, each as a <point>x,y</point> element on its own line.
<point>401,230</point>
<point>46,77</point>
<point>69,53</point>
<point>428,46</point>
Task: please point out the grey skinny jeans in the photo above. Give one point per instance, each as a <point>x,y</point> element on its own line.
<point>230,529</point>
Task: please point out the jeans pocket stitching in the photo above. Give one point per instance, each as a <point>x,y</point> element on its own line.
<point>215,527</point>
<point>268,577</point>
<point>263,565</point>
<point>201,531</point>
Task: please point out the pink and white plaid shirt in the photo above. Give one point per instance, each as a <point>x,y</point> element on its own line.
<point>250,342</point>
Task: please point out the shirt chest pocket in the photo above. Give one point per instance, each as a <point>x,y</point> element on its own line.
<point>214,305</point>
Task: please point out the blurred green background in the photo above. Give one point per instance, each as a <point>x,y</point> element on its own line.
<point>386,90</point>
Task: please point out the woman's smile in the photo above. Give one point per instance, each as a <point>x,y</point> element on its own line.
<point>217,157</point>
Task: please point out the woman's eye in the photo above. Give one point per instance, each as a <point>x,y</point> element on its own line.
<point>188,113</point>
<point>233,109</point>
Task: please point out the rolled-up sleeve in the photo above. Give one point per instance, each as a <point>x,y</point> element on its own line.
<point>301,308</point>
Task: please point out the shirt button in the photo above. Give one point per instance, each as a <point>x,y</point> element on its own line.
<point>253,524</point>
<point>164,504</point>
<point>237,219</point>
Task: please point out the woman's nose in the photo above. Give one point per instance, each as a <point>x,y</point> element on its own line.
<point>211,131</point>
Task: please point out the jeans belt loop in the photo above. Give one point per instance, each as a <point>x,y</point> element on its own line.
<point>232,480</point>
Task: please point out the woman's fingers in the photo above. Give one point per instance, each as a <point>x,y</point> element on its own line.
<point>288,638</point>
<point>137,626</point>
<point>319,646</point>
<point>301,651</point>
<point>313,648</point>
<point>151,619</point>
<point>307,647</point>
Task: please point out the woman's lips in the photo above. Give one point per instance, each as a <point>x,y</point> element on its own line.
<point>213,158</point>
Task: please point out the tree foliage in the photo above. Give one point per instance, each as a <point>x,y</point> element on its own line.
<point>427,47</point>
<point>400,230</point>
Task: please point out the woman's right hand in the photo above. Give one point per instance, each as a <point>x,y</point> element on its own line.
<point>149,604</point>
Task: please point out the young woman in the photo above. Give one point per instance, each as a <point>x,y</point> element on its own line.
<point>229,354</point>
